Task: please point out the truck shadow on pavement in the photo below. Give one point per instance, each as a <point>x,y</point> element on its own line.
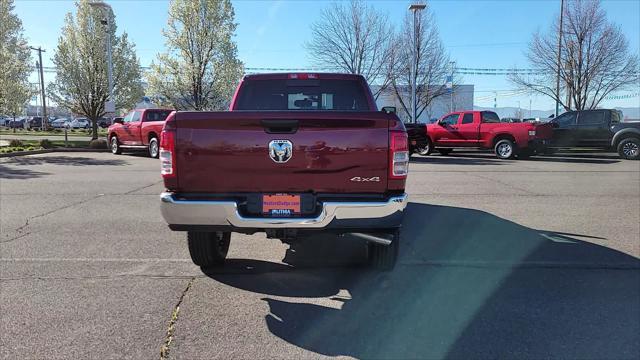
<point>64,160</point>
<point>468,285</point>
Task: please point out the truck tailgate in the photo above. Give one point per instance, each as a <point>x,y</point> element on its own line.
<point>332,152</point>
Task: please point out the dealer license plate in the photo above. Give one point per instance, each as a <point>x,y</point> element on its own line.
<point>280,205</point>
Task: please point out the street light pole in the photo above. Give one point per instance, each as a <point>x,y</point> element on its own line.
<point>110,105</point>
<point>414,64</point>
<point>44,102</point>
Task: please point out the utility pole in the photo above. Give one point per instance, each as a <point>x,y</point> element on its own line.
<point>41,73</point>
<point>559,53</point>
<point>414,66</point>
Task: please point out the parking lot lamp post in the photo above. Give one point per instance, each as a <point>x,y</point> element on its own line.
<point>414,65</point>
<point>110,105</point>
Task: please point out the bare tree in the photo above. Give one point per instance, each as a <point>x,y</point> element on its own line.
<point>595,58</point>
<point>353,38</point>
<point>433,63</point>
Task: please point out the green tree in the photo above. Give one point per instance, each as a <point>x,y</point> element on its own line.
<point>15,62</point>
<point>200,67</point>
<point>81,83</point>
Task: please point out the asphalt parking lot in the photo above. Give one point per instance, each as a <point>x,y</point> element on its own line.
<point>499,259</point>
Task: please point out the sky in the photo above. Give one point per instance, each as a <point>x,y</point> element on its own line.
<point>272,34</point>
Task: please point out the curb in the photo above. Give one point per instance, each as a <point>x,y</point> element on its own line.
<point>46,151</point>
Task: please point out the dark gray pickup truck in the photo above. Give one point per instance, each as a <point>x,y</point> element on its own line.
<point>597,128</point>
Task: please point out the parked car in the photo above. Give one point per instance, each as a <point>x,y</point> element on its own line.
<point>79,123</point>
<point>16,123</point>
<point>297,153</point>
<point>597,128</point>
<point>138,130</point>
<point>417,134</point>
<point>483,129</point>
<point>104,123</point>
<point>35,122</point>
<point>59,123</point>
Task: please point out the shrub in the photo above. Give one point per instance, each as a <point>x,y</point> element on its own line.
<point>45,144</point>
<point>98,144</point>
<point>15,143</point>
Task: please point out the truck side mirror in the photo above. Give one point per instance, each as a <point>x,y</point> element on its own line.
<point>389,109</point>
<point>117,120</point>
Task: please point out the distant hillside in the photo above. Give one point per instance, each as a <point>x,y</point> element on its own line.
<point>629,113</point>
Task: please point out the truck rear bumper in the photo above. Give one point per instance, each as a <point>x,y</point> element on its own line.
<point>182,214</point>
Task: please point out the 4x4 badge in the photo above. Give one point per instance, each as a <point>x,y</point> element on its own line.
<point>280,151</point>
<point>365,179</point>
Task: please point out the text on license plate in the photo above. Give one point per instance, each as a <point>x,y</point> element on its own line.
<point>281,204</point>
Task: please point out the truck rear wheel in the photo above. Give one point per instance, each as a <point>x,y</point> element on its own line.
<point>629,148</point>
<point>383,257</point>
<point>154,148</point>
<point>505,149</point>
<point>208,249</point>
<point>426,148</point>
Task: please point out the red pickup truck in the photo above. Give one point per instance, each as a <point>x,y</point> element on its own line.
<point>483,129</point>
<point>139,130</point>
<point>296,153</point>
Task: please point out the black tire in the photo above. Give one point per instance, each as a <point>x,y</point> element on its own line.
<point>383,257</point>
<point>426,148</point>
<point>208,249</point>
<point>629,148</point>
<point>525,154</point>
<point>154,148</point>
<point>505,149</point>
<point>115,145</point>
<point>445,152</point>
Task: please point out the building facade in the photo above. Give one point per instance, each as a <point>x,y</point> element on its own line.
<point>461,98</point>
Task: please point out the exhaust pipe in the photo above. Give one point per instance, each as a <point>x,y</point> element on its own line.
<point>373,239</point>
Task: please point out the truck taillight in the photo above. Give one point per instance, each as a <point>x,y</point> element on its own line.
<point>167,153</point>
<point>398,155</point>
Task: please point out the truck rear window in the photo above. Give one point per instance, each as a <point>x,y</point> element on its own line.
<point>490,117</point>
<point>157,115</point>
<point>281,94</point>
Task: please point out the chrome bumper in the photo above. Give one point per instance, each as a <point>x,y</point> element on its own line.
<point>225,213</point>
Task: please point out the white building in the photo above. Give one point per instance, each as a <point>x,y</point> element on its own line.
<point>460,99</point>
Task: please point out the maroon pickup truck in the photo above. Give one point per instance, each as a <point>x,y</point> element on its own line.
<point>483,129</point>
<point>296,153</point>
<point>139,130</point>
